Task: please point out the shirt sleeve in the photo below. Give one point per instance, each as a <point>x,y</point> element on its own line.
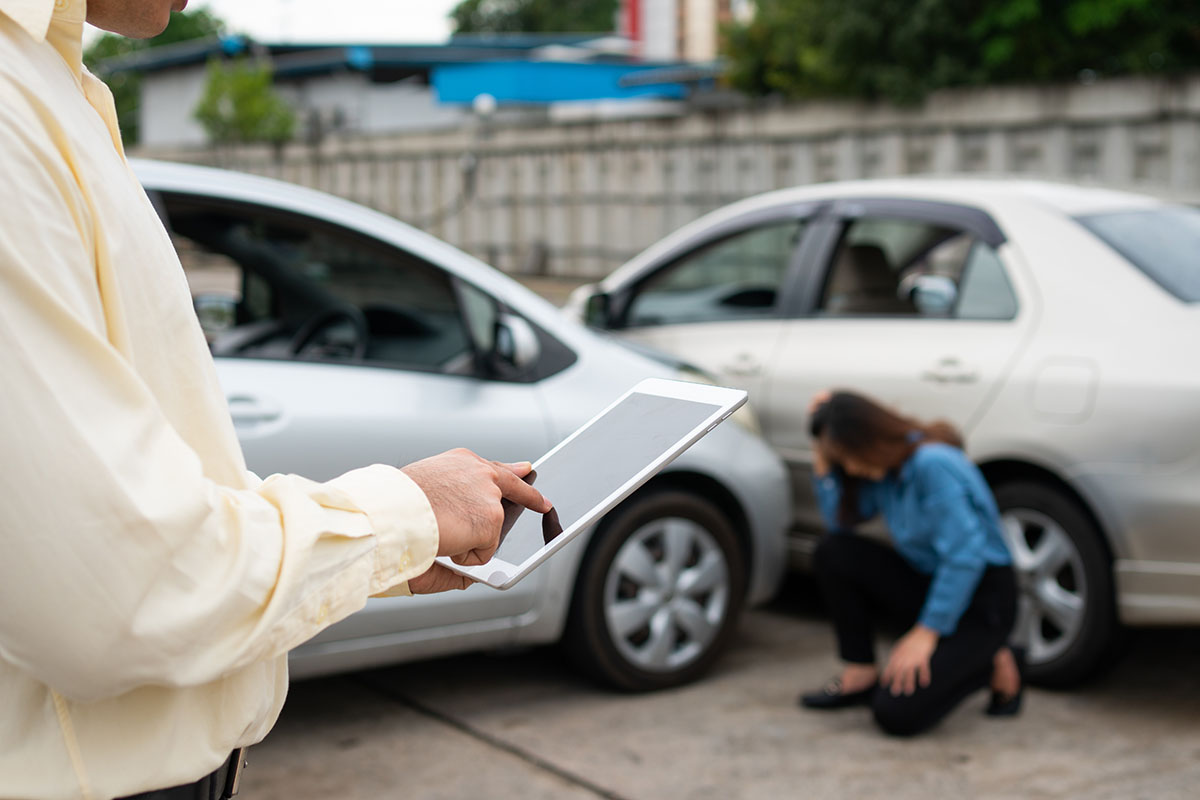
<point>959,540</point>
<point>122,564</point>
<point>828,489</point>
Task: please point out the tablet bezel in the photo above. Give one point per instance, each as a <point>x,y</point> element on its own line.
<point>725,401</point>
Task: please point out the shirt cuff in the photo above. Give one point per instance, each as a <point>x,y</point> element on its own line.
<point>405,527</point>
<point>945,624</point>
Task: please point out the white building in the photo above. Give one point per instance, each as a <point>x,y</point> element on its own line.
<point>680,29</point>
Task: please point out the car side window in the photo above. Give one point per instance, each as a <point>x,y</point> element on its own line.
<point>276,285</point>
<point>984,291</point>
<point>736,277</point>
<point>901,267</point>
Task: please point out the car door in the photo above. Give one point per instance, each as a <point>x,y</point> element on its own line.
<point>715,300</point>
<point>336,351</point>
<point>907,301</point>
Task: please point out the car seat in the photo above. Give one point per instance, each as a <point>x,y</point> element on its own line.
<point>864,283</point>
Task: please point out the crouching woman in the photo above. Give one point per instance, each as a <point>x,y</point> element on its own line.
<point>947,577</point>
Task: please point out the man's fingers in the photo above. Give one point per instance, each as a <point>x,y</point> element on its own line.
<point>517,490</point>
<point>926,675</point>
<point>438,579</point>
<point>475,557</point>
<point>519,468</point>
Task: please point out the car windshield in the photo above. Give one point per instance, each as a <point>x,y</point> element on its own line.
<point>1163,242</point>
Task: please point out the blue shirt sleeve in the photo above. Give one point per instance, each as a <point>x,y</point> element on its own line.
<point>959,540</point>
<point>829,498</point>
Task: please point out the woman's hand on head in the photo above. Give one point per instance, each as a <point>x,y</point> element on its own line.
<point>908,665</point>
<point>819,399</point>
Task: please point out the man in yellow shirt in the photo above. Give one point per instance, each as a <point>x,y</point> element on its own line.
<point>151,586</point>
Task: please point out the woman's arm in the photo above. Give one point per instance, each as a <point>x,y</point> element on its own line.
<point>958,539</point>
<point>828,487</point>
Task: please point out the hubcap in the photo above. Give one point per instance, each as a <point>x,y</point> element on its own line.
<point>666,594</point>
<point>1053,586</point>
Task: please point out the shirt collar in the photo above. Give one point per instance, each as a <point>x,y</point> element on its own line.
<point>35,16</point>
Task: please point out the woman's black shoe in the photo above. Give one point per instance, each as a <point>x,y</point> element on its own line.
<point>1009,705</point>
<point>831,697</point>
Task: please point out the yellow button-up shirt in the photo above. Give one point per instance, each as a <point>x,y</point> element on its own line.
<point>150,587</point>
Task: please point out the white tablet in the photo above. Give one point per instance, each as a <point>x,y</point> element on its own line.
<point>596,467</point>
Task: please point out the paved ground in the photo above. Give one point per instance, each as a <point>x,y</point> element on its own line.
<point>525,726</point>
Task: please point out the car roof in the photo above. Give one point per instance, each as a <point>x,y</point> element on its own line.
<point>987,193</point>
<point>1065,198</point>
<point>165,176</point>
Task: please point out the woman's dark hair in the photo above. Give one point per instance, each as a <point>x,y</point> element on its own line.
<point>853,425</point>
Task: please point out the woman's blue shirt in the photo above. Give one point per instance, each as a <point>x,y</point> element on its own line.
<point>943,521</point>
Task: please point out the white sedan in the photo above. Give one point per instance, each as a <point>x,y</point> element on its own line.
<point>343,337</point>
<point>1056,325</point>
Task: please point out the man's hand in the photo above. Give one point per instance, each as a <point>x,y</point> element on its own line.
<point>438,579</point>
<point>908,664</point>
<point>465,492</point>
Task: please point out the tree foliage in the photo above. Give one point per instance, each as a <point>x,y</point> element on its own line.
<point>534,16</point>
<point>903,50</point>
<point>127,86</point>
<point>240,104</point>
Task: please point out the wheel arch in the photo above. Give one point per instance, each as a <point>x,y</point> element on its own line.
<point>720,501</point>
<point>1008,470</point>
<point>701,485</point>
<point>709,488</point>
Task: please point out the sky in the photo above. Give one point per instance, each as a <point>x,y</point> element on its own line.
<point>400,21</point>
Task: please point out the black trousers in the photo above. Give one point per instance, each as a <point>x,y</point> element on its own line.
<point>220,784</point>
<point>865,582</point>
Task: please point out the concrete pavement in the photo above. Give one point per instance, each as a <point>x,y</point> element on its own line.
<point>526,726</point>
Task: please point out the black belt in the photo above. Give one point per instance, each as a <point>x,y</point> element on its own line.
<point>221,784</point>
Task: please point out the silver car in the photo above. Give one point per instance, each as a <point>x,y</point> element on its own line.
<point>344,337</point>
<point>1056,325</point>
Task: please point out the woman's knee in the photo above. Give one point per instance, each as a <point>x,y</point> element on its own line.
<point>835,553</point>
<point>899,716</point>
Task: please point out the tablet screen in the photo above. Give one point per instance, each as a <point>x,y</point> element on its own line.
<point>601,459</point>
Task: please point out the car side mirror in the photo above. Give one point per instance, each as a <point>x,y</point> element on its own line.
<point>933,295</point>
<point>596,310</point>
<point>516,343</point>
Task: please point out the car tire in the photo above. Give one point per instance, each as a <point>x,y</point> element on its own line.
<point>658,592</point>
<point>1066,618</point>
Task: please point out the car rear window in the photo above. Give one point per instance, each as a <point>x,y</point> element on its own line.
<point>1163,242</point>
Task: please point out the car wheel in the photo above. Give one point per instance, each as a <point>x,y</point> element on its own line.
<point>1065,614</point>
<point>658,592</point>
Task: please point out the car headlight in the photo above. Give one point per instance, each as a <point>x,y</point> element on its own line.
<point>744,416</point>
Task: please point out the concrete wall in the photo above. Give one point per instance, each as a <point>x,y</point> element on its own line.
<point>579,199</point>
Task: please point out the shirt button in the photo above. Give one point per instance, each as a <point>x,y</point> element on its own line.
<point>61,5</point>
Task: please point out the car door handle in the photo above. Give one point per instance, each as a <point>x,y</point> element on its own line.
<point>950,370</point>
<point>743,366</point>
<point>247,410</point>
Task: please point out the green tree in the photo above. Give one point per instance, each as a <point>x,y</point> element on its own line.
<point>534,16</point>
<point>126,86</point>
<point>1057,39</point>
<point>240,104</point>
<point>903,50</point>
